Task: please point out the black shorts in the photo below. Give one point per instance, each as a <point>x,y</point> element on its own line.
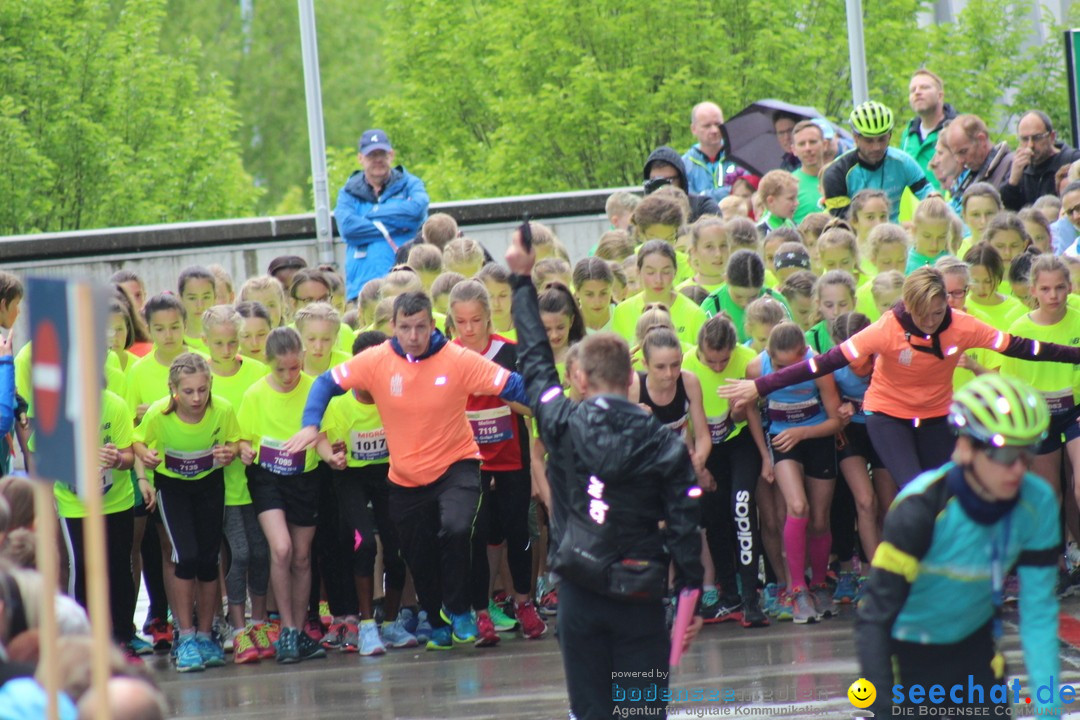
<point>297,495</point>
<point>857,443</point>
<point>1063,428</point>
<point>817,455</point>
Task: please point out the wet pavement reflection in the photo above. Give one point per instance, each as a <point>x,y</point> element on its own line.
<point>785,665</point>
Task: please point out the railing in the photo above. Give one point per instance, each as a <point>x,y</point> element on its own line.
<point>46,249</point>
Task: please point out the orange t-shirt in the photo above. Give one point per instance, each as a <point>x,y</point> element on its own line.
<point>422,405</point>
<point>908,383</point>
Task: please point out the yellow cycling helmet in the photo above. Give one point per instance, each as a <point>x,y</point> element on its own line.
<point>871,119</point>
<point>1000,411</point>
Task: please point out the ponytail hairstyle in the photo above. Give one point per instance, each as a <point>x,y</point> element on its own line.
<point>656,316</point>
<point>786,337</point>
<point>557,299</point>
<point>222,315</point>
<point>282,341</point>
<point>847,324</point>
<point>718,333</point>
<point>319,311</point>
<point>186,364</point>
<point>592,268</point>
<point>471,290</point>
<point>162,302</point>
<point>660,337</point>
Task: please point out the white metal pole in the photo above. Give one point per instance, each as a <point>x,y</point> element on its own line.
<point>857,52</point>
<point>316,138</point>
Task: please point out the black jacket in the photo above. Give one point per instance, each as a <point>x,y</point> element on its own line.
<point>645,468</point>
<point>699,204</point>
<point>1037,180</point>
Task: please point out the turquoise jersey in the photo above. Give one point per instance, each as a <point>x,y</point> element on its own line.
<point>931,577</point>
<point>897,171</point>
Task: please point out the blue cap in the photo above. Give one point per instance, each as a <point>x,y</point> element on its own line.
<point>373,140</point>
<point>826,127</point>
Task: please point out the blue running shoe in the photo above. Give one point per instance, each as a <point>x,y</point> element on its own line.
<point>138,646</point>
<point>188,657</point>
<point>212,653</point>
<point>463,625</point>
<point>441,639</point>
<point>423,627</point>
<point>395,635</point>
<point>847,585</point>
<point>288,650</point>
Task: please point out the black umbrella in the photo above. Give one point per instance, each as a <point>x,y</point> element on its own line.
<point>751,140</point>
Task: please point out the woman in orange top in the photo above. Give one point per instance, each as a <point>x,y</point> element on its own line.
<point>916,348</point>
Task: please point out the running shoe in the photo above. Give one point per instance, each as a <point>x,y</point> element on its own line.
<point>288,650</point>
<point>408,619</point>
<point>1068,583</point>
<point>395,635</point>
<point>824,602</point>
<point>307,648</point>
<point>325,616</point>
<point>847,586</point>
<point>350,637</point>
<point>188,657</point>
<point>423,627</point>
<point>244,650</point>
<point>502,621</point>
<point>334,636</point>
<point>771,596</point>
<point>160,632</point>
<point>314,629</point>
<point>486,636</point>
<point>784,609</point>
<point>222,633</point>
<point>138,646</point>
<point>727,609</point>
<point>709,601</point>
<point>260,636</point>
<point>802,607</point>
<point>752,616</point>
<point>441,639</point>
<point>533,626</point>
<point>370,643</point>
<point>549,602</point>
<point>212,654</point>
<point>505,602</point>
<point>463,625</point>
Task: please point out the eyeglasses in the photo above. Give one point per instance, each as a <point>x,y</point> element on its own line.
<point>1024,139</point>
<point>959,294</point>
<point>1007,455</point>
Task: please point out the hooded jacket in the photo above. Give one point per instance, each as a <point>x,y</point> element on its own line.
<point>1037,180</point>
<point>922,149</point>
<point>400,211</point>
<point>610,463</point>
<point>699,204</point>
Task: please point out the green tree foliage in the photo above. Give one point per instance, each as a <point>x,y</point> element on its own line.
<point>256,45</point>
<point>99,127</point>
<point>508,98</point>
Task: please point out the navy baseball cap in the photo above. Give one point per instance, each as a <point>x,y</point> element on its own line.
<point>373,140</point>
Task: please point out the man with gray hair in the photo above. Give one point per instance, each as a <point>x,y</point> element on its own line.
<point>707,172</point>
<point>969,141</point>
<point>1035,162</point>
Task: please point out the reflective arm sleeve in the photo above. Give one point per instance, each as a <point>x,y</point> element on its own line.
<point>815,367</point>
<point>323,390</point>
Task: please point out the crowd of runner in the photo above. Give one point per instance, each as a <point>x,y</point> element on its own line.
<point>272,516</point>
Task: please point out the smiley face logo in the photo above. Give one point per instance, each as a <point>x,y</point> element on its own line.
<point>862,693</point>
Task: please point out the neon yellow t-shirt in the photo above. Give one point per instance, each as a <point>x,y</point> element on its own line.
<point>360,428</point>
<point>864,301</point>
<point>1000,316</point>
<point>345,337</point>
<point>117,427</point>
<point>196,345</point>
<point>687,317</point>
<point>187,449</point>
<point>1056,381</point>
<point>268,419</point>
<point>232,388</point>
<point>717,409</point>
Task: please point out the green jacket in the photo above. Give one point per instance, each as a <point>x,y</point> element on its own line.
<point>923,149</point>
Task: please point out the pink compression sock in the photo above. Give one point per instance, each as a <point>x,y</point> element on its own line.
<point>795,547</point>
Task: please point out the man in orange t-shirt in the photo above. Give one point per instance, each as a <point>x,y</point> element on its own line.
<point>420,384</point>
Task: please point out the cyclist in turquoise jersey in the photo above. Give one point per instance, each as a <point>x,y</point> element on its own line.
<point>931,615</point>
<point>872,164</point>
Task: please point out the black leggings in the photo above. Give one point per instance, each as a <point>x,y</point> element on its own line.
<point>729,515</point>
<point>119,535</point>
<point>907,449</point>
<point>355,487</point>
<point>435,525</point>
<point>193,512</point>
<point>153,569</point>
<point>503,515</point>
<point>615,654</point>
<point>331,549</point>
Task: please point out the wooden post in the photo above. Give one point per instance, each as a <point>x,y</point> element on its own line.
<point>48,563</point>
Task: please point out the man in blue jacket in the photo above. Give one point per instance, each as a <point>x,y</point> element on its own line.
<point>380,208</point>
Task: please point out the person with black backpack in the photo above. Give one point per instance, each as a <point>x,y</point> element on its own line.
<point>615,474</point>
